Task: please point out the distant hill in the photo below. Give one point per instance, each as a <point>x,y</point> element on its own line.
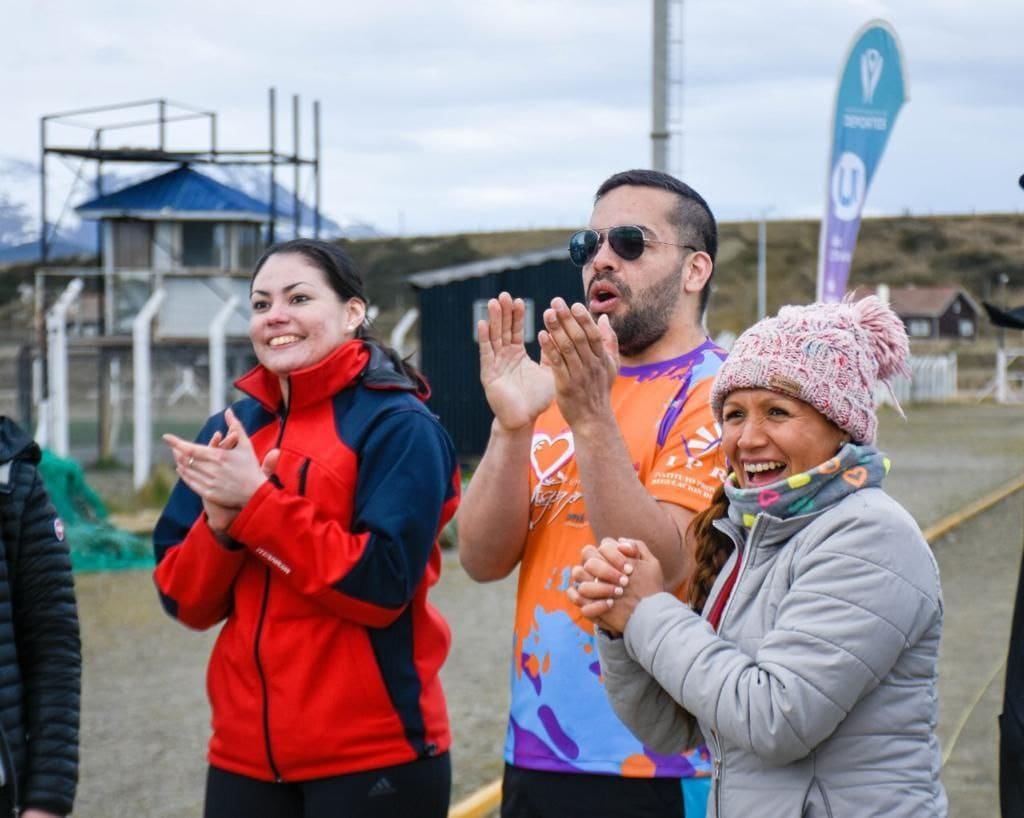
<point>385,263</point>
<point>969,251</point>
<point>28,251</point>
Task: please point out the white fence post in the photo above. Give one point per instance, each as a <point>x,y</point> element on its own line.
<point>951,374</point>
<point>142,442</point>
<point>402,329</point>
<point>57,373</point>
<point>115,401</point>
<point>218,368</point>
<point>1002,393</point>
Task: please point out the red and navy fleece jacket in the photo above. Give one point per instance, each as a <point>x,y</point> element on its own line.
<point>329,656</point>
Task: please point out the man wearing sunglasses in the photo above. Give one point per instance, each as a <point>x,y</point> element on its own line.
<point>609,435</point>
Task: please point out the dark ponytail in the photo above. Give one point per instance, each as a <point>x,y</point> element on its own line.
<point>344,279</point>
<point>401,364</point>
<point>712,550</point>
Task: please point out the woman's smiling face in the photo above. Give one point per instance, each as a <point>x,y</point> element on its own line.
<point>768,436</point>
<point>297,318</point>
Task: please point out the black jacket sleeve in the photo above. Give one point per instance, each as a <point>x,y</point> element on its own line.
<point>49,650</point>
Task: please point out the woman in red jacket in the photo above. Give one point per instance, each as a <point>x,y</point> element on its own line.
<point>306,519</point>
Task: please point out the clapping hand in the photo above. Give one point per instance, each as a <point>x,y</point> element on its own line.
<point>584,358</point>
<point>225,473</point>
<point>518,388</point>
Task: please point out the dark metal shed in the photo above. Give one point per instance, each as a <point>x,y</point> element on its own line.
<point>450,302</point>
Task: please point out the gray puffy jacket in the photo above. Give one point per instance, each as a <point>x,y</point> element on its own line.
<point>818,695</point>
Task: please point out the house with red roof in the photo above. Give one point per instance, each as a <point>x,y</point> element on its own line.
<point>936,312</point>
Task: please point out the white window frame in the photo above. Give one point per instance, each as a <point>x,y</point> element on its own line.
<point>529,330</point>
<point>919,328</point>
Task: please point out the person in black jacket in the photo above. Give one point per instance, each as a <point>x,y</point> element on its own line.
<point>40,650</point>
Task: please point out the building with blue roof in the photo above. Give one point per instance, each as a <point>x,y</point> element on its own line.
<point>176,249</point>
<point>179,220</point>
<point>183,191</point>
<point>185,232</point>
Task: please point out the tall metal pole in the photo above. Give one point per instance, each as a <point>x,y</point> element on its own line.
<point>296,212</point>
<point>39,362</point>
<point>1004,279</point>
<point>762,268</point>
<point>1002,391</point>
<point>659,88</point>
<point>273,181</point>
<point>675,80</point>
<point>162,107</point>
<point>316,169</point>
<point>104,407</point>
<point>42,191</point>
<point>98,139</point>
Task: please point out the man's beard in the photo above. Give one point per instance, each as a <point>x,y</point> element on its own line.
<point>648,315</point>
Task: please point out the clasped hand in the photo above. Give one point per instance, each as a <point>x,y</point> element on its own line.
<point>225,473</point>
<point>612,579</point>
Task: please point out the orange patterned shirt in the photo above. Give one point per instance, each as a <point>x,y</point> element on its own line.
<point>560,718</point>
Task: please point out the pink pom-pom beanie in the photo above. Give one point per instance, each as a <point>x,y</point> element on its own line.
<point>827,355</point>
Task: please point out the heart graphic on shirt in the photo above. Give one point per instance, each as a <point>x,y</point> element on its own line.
<point>549,454</point>
<point>856,476</point>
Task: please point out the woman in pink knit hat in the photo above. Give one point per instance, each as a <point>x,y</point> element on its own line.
<point>807,656</point>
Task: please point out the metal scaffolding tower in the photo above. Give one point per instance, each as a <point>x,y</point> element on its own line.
<point>160,113</point>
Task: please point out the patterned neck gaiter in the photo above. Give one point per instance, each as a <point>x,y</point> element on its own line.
<point>854,467</point>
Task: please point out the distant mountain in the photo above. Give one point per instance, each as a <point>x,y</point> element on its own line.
<point>19,208</point>
<point>255,181</point>
<point>28,252</point>
<point>14,220</point>
<point>19,218</point>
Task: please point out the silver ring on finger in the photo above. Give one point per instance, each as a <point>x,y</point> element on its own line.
<point>189,462</point>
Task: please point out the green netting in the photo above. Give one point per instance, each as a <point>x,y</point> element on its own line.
<point>95,544</point>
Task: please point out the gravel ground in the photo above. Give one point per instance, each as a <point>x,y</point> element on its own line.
<point>145,717</point>
<point>979,562</point>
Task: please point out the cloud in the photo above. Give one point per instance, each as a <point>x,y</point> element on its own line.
<point>477,114</point>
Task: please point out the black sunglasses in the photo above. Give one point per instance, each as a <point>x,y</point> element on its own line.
<point>627,240</point>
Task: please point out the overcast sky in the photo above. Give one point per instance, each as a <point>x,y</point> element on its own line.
<point>457,115</point>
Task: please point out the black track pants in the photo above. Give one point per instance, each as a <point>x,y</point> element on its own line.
<point>421,788</point>
<point>536,794</point>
